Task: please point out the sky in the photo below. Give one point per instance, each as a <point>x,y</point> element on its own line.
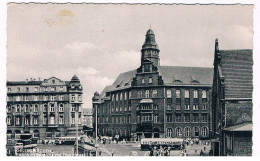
<point>98,42</point>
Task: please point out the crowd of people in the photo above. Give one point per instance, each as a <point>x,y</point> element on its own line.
<point>162,151</point>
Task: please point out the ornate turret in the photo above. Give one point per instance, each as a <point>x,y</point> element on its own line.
<point>150,49</point>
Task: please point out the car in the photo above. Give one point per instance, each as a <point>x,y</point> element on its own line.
<point>133,153</point>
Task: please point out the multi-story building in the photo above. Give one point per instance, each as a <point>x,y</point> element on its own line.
<point>232,102</point>
<point>156,101</point>
<point>46,109</point>
<point>87,121</point>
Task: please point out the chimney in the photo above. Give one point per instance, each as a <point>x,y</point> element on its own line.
<point>31,79</point>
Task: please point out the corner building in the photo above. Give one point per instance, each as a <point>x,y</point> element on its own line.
<point>155,101</point>
<point>46,109</point>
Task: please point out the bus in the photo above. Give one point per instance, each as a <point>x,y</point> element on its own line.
<point>66,140</point>
<point>173,143</point>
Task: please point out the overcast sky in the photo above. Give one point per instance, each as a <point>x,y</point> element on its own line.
<point>98,42</point>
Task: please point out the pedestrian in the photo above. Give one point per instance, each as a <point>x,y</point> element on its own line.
<point>204,147</point>
<point>201,153</point>
<point>161,152</point>
<point>168,151</point>
<point>100,152</point>
<point>112,152</point>
<point>151,152</point>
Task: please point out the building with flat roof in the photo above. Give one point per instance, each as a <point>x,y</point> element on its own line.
<point>155,101</point>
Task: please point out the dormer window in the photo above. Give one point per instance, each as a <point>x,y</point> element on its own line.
<point>72,86</point>
<point>142,80</point>
<point>35,89</point>
<point>150,80</point>
<point>195,94</point>
<point>53,88</point>
<point>53,81</point>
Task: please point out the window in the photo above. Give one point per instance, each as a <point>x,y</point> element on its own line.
<point>53,88</point>
<point>129,95</point>
<point>229,142</point>
<point>9,90</point>
<point>27,89</point>
<point>178,93</point>
<point>116,97</point>
<point>73,119</point>
<point>18,89</point>
<point>52,108</point>
<point>45,89</point>
<point>155,107</point>
<point>178,118</point>
<point>169,93</point>
<point>142,80</point>
<point>26,98</point>
<point>195,94</point>
<point>169,132</point>
<point>17,120</point>
<point>196,118</point>
<point>204,131</point>
<point>52,98</point>
<point>61,88</point>
<point>53,81</point>
<point>18,98</point>
<point>121,96</point>
<point>73,108</point>
<point>178,107</point>
<point>178,132</point>
<point>204,94</point>
<point>169,107</point>
<point>26,120</point>
<point>147,94</point>
<point>35,120</point>
<point>73,98</point>
<point>168,118</point>
<point>61,120</point>
<point>125,96</point>
<point>61,108</point>
<point>45,119</point>
<point>195,107</point>
<point>113,97</point>
<point>154,93</point>
<point>187,94</point>
<point>187,118</point>
<point>155,118</point>
<point>79,98</point>
<point>196,132</point>
<point>150,80</point>
<point>61,98</point>
<point>36,98</point>
<point>18,108</point>
<point>146,107</point>
<point>187,132</point>
<point>204,106</point>
<point>129,108</point>
<point>187,106</point>
<point>35,108</point>
<point>204,118</point>
<point>139,94</point>
<point>35,89</point>
<point>8,120</point>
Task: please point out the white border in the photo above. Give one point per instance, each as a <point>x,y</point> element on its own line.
<point>256,92</point>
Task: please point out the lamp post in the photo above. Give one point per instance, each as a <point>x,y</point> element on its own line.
<point>76,117</point>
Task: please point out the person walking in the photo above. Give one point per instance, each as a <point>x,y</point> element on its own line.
<point>112,152</point>
<point>201,153</point>
<point>151,152</point>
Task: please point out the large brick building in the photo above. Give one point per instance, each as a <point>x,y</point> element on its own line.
<point>232,102</point>
<point>45,109</point>
<point>156,101</point>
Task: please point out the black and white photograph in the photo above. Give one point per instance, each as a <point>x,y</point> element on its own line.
<point>106,79</point>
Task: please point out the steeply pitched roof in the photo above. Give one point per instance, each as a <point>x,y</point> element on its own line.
<point>236,67</point>
<point>173,75</point>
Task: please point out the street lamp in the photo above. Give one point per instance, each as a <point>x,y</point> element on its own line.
<point>76,117</point>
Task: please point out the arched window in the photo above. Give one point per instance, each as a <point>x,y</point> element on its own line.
<point>116,97</point>
<point>150,80</point>
<point>196,131</point>
<point>204,131</point>
<point>169,93</point>
<point>9,120</point>
<point>187,132</point>
<point>142,80</point>
<point>178,132</point>
<point>61,108</point>
<point>169,132</point>
<point>204,94</point>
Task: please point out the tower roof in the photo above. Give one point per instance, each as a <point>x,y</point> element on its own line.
<point>150,42</point>
<point>75,79</point>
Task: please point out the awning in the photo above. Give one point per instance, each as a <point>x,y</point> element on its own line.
<point>240,127</point>
<point>146,101</point>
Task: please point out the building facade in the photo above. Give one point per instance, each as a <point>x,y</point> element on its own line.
<point>232,102</point>
<point>46,109</point>
<point>155,101</point>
